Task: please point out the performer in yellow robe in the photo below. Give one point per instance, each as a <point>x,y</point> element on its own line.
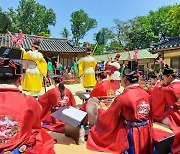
<point>87,67</point>
<point>34,77</point>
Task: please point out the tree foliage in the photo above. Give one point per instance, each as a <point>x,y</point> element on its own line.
<point>5,22</point>
<point>174,20</point>
<point>31,17</point>
<point>115,45</point>
<point>108,34</point>
<point>65,33</point>
<point>81,23</point>
<point>44,34</point>
<point>142,31</point>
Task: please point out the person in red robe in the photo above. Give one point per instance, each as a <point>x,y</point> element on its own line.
<point>20,125</point>
<point>103,89</point>
<point>112,68</point>
<point>126,125</point>
<point>154,80</point>
<point>165,105</point>
<point>53,99</point>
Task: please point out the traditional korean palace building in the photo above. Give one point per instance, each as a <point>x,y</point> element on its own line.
<point>58,49</point>
<point>169,48</point>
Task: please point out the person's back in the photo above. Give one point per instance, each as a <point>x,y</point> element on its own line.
<point>51,101</point>
<point>20,129</point>
<point>89,72</point>
<point>125,126</point>
<point>165,104</point>
<point>20,121</point>
<point>87,66</point>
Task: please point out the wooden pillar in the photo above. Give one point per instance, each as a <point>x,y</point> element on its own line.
<point>58,58</point>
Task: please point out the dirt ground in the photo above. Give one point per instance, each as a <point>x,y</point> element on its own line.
<point>73,88</point>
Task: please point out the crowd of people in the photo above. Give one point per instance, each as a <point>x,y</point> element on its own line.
<point>125,125</point>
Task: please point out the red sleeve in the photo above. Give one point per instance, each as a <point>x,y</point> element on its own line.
<point>44,142</point>
<point>32,115</point>
<point>108,132</point>
<point>83,106</point>
<point>157,101</point>
<point>47,100</point>
<point>149,91</point>
<point>98,90</point>
<point>71,97</point>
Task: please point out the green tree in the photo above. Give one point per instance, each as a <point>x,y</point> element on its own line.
<point>142,31</point>
<point>31,17</point>
<point>121,30</point>
<point>159,21</point>
<point>99,49</point>
<point>5,22</point>
<point>115,45</point>
<point>174,20</point>
<point>65,33</point>
<point>108,34</point>
<point>44,34</point>
<point>81,23</point>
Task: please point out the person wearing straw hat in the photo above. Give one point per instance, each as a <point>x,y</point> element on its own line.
<point>87,66</point>
<point>125,126</point>
<point>20,125</point>
<point>33,78</point>
<point>165,102</point>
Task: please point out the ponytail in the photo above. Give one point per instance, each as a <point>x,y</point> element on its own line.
<point>61,89</point>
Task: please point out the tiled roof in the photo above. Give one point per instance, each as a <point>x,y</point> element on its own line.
<point>47,44</point>
<point>171,42</point>
<point>142,54</point>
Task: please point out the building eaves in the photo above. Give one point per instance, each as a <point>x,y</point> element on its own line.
<point>47,44</point>
<point>166,44</point>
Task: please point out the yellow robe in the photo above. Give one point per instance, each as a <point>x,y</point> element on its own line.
<point>34,77</point>
<point>87,67</point>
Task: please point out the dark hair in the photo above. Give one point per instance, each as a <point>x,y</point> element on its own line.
<point>173,75</point>
<point>132,76</point>
<point>61,86</point>
<point>61,89</point>
<point>101,75</point>
<point>132,80</point>
<point>57,80</point>
<point>9,79</point>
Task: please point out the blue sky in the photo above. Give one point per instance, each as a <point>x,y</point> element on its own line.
<point>104,11</point>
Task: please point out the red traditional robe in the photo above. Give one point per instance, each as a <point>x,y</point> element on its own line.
<point>113,73</point>
<point>160,98</point>
<point>20,123</point>
<point>104,88</point>
<point>52,99</point>
<point>110,132</point>
<point>150,89</point>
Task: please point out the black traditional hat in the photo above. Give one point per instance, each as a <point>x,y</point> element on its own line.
<point>131,71</point>
<point>13,67</point>
<point>133,65</point>
<point>167,70</point>
<point>101,74</point>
